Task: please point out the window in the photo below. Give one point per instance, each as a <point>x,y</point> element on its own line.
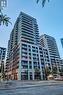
<point>34,54</point>
<point>29,53</point>
<point>29,46</point>
<point>29,49</point>
<point>30,67</point>
<point>33,50</point>
<point>36,48</point>
<point>24,45</point>
<point>33,47</point>
<point>29,57</point>
<point>30,62</point>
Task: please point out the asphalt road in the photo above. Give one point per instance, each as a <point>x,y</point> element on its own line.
<point>38,90</point>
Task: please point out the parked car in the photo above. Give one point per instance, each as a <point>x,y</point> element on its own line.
<point>60,78</point>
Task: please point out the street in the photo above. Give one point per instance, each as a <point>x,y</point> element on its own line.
<point>34,90</point>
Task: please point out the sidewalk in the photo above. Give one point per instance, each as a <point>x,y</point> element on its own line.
<point>27,84</point>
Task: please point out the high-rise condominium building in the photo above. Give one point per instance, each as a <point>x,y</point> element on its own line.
<point>50,43</point>
<point>24,53</point>
<point>2,59</point>
<point>62,42</point>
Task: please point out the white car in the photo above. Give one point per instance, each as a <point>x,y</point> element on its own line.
<point>59,78</point>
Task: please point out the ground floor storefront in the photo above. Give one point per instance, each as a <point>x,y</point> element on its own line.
<point>25,76</point>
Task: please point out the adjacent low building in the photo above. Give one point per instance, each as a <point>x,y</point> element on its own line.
<point>2,59</point>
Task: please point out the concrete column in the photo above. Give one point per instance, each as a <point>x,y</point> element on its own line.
<point>40,65</point>
<point>28,75</point>
<point>28,70</point>
<point>19,69</point>
<point>33,75</point>
<point>32,65</point>
<point>28,62</point>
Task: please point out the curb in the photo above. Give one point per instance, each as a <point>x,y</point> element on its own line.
<point>29,86</point>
